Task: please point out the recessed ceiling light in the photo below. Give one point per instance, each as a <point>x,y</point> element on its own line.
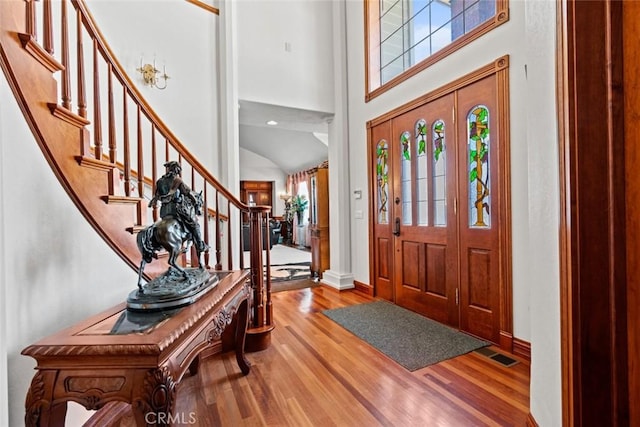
<point>272,123</point>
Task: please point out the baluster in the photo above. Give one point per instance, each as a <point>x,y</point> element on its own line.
<point>66,76</point>
<point>241,245</point>
<point>205,213</point>
<point>30,19</point>
<point>154,168</point>
<point>97,114</point>
<point>229,242</point>
<point>140,159</point>
<point>47,27</point>
<point>218,245</point>
<point>166,150</point>
<point>195,261</point>
<point>269,313</point>
<point>82,98</point>
<point>127,152</point>
<point>112,118</point>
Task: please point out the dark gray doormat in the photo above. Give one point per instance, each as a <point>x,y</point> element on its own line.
<point>408,338</point>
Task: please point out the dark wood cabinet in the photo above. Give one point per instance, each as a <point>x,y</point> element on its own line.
<point>257,193</point>
<point>319,220</point>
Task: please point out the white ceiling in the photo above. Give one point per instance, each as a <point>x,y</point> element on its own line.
<point>298,142</point>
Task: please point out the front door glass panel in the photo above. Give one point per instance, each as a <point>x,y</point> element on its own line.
<point>405,147</point>
<point>422,180</point>
<point>439,175</point>
<point>478,167</point>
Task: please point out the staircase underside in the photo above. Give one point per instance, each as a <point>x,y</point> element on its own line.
<point>61,141</point>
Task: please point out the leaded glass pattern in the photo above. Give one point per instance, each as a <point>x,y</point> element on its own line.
<point>382,178</point>
<point>422,180</point>
<point>479,167</point>
<point>439,171</point>
<point>405,147</point>
<point>412,30</point>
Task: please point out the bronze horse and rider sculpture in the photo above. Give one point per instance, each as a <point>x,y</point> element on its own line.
<point>178,222</point>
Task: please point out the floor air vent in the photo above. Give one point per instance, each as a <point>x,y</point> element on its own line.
<point>498,357</point>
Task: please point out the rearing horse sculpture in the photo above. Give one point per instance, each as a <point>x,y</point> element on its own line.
<point>171,234</point>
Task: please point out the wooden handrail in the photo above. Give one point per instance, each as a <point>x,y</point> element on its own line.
<point>205,6</point>
<point>117,69</point>
<point>118,151</point>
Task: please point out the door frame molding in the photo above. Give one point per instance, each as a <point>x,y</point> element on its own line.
<point>499,68</point>
<point>593,275</point>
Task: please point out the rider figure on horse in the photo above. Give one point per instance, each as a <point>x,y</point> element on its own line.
<point>178,201</point>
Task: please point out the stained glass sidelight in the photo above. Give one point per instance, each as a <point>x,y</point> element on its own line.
<point>439,175</point>
<point>405,167</point>
<point>422,180</point>
<point>382,176</point>
<point>479,167</point>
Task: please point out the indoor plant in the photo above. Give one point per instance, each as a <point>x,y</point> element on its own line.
<point>299,205</point>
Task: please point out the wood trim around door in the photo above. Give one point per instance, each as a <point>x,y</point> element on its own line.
<point>499,67</point>
<point>593,277</point>
<point>631,52</point>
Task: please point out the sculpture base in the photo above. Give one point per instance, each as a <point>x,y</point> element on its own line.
<point>172,290</point>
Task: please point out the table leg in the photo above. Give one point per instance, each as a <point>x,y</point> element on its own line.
<point>39,411</point>
<point>155,406</point>
<point>241,333</point>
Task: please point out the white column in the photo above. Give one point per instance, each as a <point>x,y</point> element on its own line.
<point>339,274</point>
<point>228,107</point>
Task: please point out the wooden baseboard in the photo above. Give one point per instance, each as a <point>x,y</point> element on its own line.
<point>531,422</point>
<point>364,288</point>
<point>522,348</point>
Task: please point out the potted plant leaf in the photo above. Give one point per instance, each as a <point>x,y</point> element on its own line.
<point>299,205</point>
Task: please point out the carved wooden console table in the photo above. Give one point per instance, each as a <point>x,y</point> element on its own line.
<point>136,358</point>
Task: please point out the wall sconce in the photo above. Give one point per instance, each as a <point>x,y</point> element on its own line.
<point>150,75</point>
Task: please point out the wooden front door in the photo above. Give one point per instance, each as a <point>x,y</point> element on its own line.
<point>438,209</point>
<point>424,226</point>
<point>479,202</point>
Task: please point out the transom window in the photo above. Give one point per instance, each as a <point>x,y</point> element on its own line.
<point>406,36</point>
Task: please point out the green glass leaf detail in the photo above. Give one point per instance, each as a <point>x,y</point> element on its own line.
<point>473,154</point>
<point>404,139</point>
<point>473,175</point>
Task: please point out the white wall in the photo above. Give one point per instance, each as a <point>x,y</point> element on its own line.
<point>182,37</point>
<point>56,269</point>
<point>544,214</point>
<point>534,192</point>
<point>254,167</point>
<point>4,398</point>
<point>300,78</point>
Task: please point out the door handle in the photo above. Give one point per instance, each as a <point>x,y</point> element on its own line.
<point>396,227</point>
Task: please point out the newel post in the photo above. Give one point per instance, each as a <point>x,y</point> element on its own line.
<point>260,323</point>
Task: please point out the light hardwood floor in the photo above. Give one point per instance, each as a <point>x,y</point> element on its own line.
<point>315,373</point>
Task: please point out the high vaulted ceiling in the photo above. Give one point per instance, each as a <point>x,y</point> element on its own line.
<point>298,142</point>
